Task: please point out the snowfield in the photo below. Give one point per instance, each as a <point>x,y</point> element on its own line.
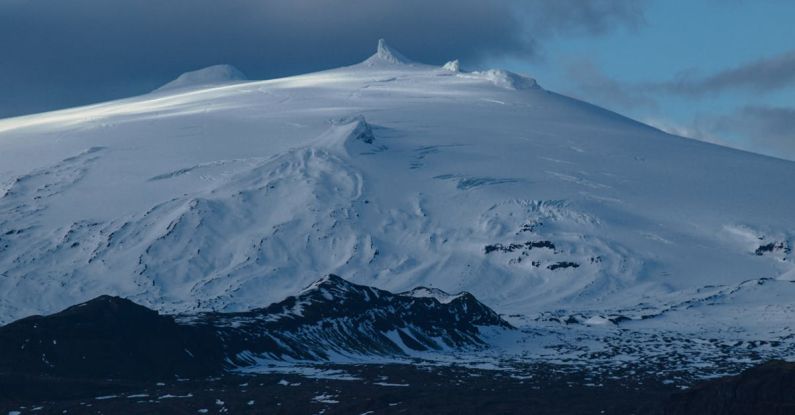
<point>222,194</point>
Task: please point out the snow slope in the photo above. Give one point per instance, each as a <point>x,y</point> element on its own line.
<point>211,75</point>
<point>393,174</point>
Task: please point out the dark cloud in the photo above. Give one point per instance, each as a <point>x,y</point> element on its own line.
<point>759,76</point>
<point>593,17</point>
<point>59,53</point>
<point>760,129</point>
<point>766,129</point>
<point>592,84</point>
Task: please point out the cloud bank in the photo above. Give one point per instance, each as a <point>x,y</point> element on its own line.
<point>756,127</point>
<point>760,76</point>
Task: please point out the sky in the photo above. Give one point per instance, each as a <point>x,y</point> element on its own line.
<point>716,70</point>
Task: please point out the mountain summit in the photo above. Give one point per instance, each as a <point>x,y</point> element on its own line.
<point>386,54</point>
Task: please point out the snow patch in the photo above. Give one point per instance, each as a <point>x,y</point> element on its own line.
<point>387,384</point>
<point>787,276</point>
<point>452,66</point>
<point>325,398</point>
<point>425,292</point>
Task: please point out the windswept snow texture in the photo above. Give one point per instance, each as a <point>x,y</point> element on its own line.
<point>396,175</point>
<point>216,74</point>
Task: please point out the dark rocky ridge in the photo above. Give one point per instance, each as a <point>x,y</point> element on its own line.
<point>108,337</point>
<point>111,347</point>
<point>765,389</point>
<point>335,316</point>
<point>111,337</point>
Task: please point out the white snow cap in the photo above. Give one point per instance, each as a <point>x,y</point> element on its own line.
<point>452,66</point>
<point>216,74</point>
<point>386,54</point>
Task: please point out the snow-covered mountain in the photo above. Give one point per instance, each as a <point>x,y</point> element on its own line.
<point>394,174</point>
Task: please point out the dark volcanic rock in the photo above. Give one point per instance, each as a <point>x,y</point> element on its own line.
<point>767,389</point>
<point>563,264</point>
<point>335,316</point>
<point>108,337</point>
<point>527,246</point>
<point>772,247</point>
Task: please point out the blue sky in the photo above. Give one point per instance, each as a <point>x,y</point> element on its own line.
<point>695,38</point>
<point>716,70</point>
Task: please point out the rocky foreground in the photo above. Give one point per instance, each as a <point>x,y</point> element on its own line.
<point>402,388</point>
<point>335,347</point>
